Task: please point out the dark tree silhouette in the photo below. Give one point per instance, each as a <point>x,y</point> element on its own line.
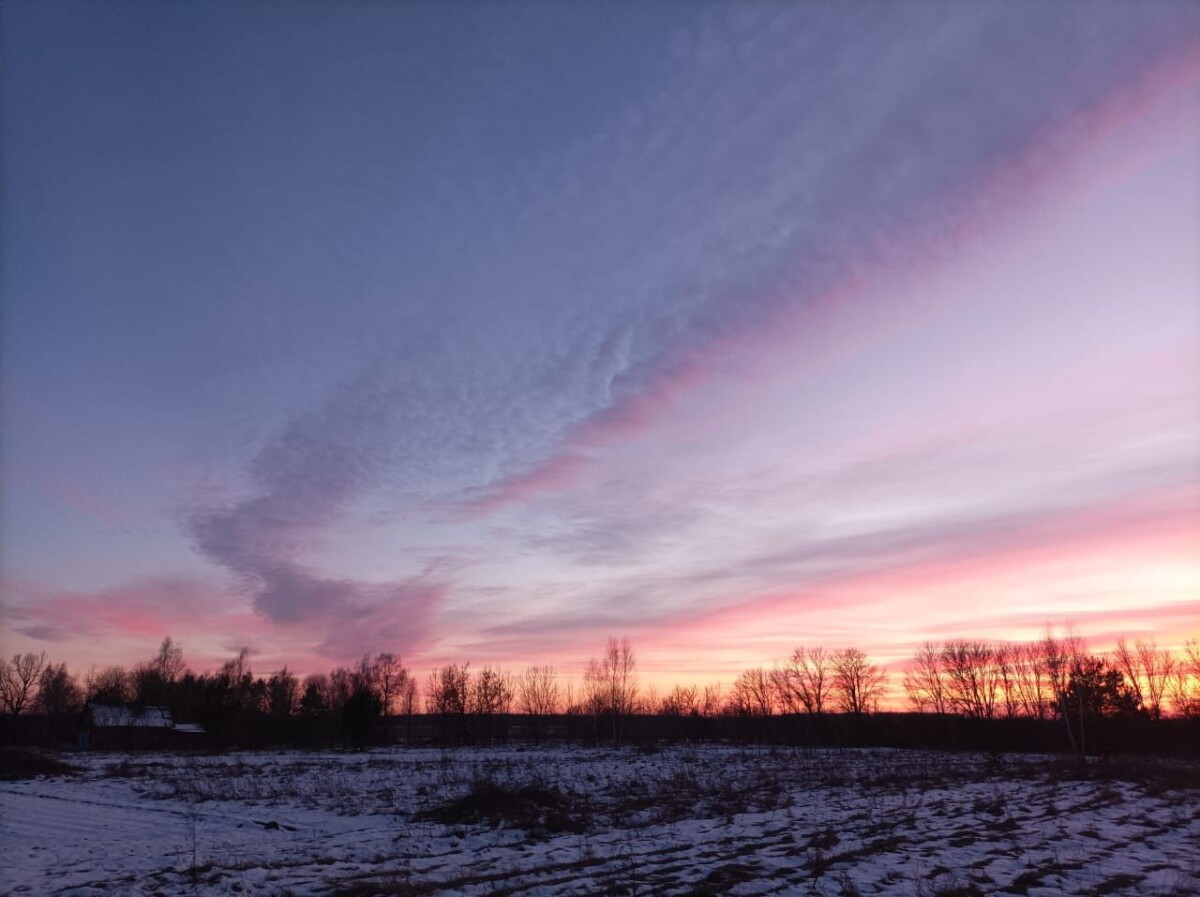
<point>19,680</point>
<point>360,714</point>
<point>59,697</point>
<point>111,685</point>
<point>858,684</point>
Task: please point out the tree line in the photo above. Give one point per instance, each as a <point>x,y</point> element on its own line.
<point>1055,680</point>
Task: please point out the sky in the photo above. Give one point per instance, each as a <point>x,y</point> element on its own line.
<point>483,332</point>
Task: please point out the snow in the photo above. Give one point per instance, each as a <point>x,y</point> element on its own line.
<point>686,820</point>
<point>123,716</point>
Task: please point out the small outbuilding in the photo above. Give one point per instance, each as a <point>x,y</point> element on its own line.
<point>126,727</point>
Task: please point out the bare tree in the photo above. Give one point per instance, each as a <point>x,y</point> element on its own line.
<point>1005,660</point>
<point>681,701</point>
<point>59,696</point>
<point>619,666</point>
<point>491,692</point>
<point>1030,682</point>
<point>491,696</point>
<point>1185,681</point>
<point>925,681</point>
<point>649,703</point>
<point>595,688</point>
<point>58,691</point>
<point>804,682</point>
<point>753,694</point>
<point>1148,670</point>
<point>168,662</point>
<point>971,677</point>
<point>365,676</point>
<point>570,705</point>
<point>447,690</point>
<point>242,691</point>
<point>610,684</point>
<point>340,686</point>
<point>1061,657</point>
<point>391,679</point>
<point>538,691</point>
<point>448,694</point>
<point>111,685</point>
<point>785,699</point>
<point>711,700</point>
<point>1158,667</point>
<point>19,680</point>
<point>153,681</point>
<point>858,684</point>
<point>538,695</point>
<point>406,699</point>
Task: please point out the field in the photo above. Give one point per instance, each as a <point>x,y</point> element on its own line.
<point>569,820</point>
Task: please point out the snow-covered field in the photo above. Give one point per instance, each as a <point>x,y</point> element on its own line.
<point>569,820</point>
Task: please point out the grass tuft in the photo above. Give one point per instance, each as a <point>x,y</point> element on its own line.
<point>533,807</point>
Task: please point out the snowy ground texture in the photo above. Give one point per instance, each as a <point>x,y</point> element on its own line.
<point>569,820</point>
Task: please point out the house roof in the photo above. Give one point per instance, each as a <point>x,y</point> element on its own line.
<point>125,717</point>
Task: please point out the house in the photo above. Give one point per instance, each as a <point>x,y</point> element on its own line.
<point>123,727</point>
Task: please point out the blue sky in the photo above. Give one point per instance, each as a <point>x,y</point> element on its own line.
<point>486,331</point>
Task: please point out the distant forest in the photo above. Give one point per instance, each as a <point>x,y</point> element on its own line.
<point>1053,694</point>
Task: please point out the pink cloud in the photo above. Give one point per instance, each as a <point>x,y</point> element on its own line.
<point>1048,165</point>
<point>125,624</point>
<point>966,587</point>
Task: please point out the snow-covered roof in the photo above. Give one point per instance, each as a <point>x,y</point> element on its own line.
<point>105,715</point>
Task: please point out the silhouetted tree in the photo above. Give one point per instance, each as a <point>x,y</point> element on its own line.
<point>1060,655</point>
<point>804,682</point>
<point>153,681</point>
<point>340,685</point>
<point>391,678</point>
<point>595,691</point>
<point>753,694</point>
<point>59,697</point>
<point>648,702</point>
<point>972,679</point>
<point>168,662</point>
<point>1031,681</point>
<point>610,685</point>
<point>711,700</point>
<point>681,701</point>
<point>925,681</point>
<point>283,694</point>
<point>538,695</point>
<point>447,693</point>
<point>19,680</point>
<point>360,713</point>
<point>448,688</point>
<point>538,691</point>
<point>858,684</point>
<point>111,685</point>
<point>313,699</point>
<point>490,697</point>
<point>1096,689</point>
<point>1148,670</point>
<point>1185,681</point>
<point>231,697</point>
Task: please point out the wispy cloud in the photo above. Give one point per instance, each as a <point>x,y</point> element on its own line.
<point>435,331</point>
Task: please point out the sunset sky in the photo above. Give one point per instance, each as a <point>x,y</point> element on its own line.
<point>486,331</point>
